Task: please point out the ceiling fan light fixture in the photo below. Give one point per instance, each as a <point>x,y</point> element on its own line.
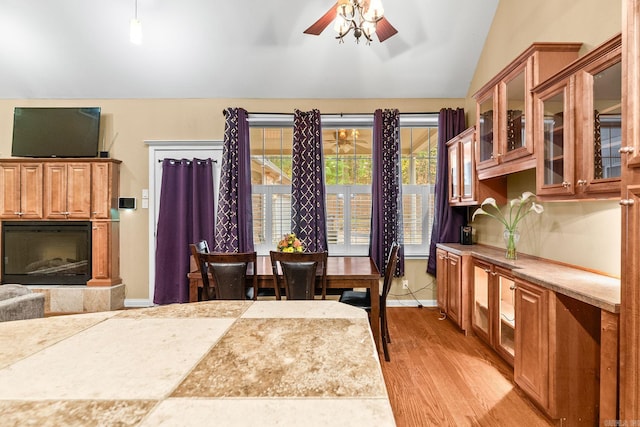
<point>361,16</point>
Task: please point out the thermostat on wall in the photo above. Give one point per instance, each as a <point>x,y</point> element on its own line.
<point>126,203</point>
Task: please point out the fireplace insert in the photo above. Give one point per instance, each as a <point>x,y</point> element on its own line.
<point>46,252</point>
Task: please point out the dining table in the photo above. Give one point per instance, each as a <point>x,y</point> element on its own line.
<point>342,272</point>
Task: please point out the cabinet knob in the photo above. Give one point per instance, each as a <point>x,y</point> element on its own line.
<point>626,150</point>
<point>19,213</point>
<point>513,287</point>
<point>581,182</point>
<point>566,184</point>
<point>626,202</point>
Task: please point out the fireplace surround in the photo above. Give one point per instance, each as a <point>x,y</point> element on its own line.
<point>46,252</point>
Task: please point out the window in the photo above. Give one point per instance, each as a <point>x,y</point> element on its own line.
<point>348,166</point>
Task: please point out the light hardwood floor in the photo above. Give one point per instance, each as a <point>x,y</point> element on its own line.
<point>440,377</point>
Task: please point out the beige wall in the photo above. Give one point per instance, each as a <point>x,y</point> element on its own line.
<point>130,122</point>
<point>581,233</point>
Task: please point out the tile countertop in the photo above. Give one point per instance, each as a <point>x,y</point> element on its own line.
<point>228,363</point>
<point>591,288</point>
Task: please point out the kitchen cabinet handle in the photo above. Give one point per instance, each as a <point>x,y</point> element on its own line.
<point>582,182</point>
<point>626,150</point>
<point>513,287</point>
<point>626,202</point>
<point>566,184</point>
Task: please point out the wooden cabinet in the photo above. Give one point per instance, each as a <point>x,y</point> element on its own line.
<point>464,187</point>
<point>492,313</point>
<point>531,363</point>
<point>21,185</point>
<point>578,127</point>
<point>504,109</point>
<point>105,184</point>
<point>105,262</point>
<point>452,293</point>
<point>67,190</point>
<point>76,190</point>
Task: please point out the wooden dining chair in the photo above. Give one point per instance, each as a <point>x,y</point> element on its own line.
<point>230,274</point>
<point>298,273</point>
<point>362,299</point>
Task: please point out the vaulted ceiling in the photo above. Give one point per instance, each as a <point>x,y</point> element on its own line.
<point>234,49</point>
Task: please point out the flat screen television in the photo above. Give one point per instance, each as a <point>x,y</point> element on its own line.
<point>55,132</point>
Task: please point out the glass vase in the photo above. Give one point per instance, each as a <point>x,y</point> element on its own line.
<point>511,238</point>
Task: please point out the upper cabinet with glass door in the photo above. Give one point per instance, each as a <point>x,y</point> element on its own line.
<point>578,127</point>
<point>464,187</point>
<point>504,109</point>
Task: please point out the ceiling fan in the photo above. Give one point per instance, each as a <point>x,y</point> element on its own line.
<point>343,141</point>
<point>364,17</point>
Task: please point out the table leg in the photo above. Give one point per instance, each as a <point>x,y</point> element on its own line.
<point>375,312</point>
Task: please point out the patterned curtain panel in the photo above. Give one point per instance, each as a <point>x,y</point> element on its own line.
<point>234,224</point>
<point>597,146</point>
<point>386,190</point>
<point>185,217</point>
<point>446,219</point>
<point>308,208</point>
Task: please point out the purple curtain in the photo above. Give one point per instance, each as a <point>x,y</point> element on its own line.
<point>234,222</point>
<point>308,209</point>
<point>185,217</point>
<point>447,220</point>
<point>386,190</point>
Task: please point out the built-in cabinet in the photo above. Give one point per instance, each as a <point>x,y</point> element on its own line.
<point>64,189</point>
<point>452,291</point>
<point>67,190</point>
<point>21,185</point>
<point>504,109</point>
<point>464,187</point>
<point>578,127</point>
<point>493,316</point>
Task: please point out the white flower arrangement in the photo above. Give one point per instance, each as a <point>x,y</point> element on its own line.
<point>522,206</point>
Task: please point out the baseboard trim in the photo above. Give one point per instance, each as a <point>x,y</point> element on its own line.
<point>411,303</point>
<point>137,303</point>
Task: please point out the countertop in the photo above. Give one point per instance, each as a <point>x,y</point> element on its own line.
<point>595,289</point>
<point>228,363</point>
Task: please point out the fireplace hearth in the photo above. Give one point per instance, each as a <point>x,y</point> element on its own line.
<point>46,252</point>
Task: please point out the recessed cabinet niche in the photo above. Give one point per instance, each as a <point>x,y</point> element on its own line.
<point>464,187</point>
<point>504,109</point>
<point>578,127</point>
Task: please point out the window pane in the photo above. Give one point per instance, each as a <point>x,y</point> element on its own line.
<point>281,216</point>
<point>335,219</point>
<point>259,229</point>
<point>360,219</point>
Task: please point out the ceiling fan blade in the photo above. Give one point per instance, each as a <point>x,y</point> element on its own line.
<point>384,30</point>
<point>317,27</point>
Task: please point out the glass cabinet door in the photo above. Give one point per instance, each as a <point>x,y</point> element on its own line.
<point>555,160</point>
<point>480,311</point>
<point>454,172</point>
<point>607,130</point>
<point>506,324</point>
<point>516,97</point>
<point>466,165</point>
<point>486,131</point>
